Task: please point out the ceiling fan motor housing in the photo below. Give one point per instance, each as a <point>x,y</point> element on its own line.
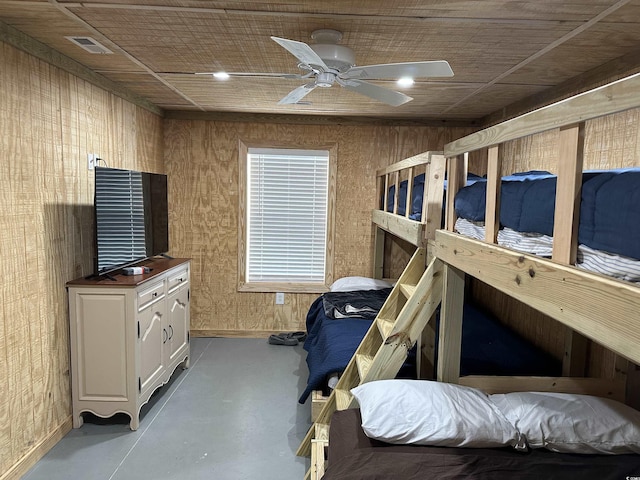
<point>337,57</point>
<point>325,79</point>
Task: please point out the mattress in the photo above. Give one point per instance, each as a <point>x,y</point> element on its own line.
<point>417,193</point>
<point>589,259</point>
<point>609,208</point>
<point>353,456</point>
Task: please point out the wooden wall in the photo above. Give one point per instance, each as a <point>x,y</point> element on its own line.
<point>49,121</point>
<point>202,162</point>
<point>610,142</point>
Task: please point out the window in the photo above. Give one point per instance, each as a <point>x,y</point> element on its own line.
<point>288,212</point>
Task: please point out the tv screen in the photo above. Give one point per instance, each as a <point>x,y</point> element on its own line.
<point>131,213</point>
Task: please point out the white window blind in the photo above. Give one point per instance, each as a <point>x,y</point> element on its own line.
<point>287,215</point>
<point>119,217</point>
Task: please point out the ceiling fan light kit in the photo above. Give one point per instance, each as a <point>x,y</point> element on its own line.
<point>327,63</point>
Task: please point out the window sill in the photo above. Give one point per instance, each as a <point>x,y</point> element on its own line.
<point>285,287</point>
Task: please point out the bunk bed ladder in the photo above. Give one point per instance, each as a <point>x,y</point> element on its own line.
<point>384,348</point>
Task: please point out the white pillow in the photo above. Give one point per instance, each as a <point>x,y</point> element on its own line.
<point>570,423</point>
<point>349,284</point>
<point>432,413</point>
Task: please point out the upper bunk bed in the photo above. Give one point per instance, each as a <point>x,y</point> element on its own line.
<point>417,181</point>
<point>598,307</point>
<point>338,320</point>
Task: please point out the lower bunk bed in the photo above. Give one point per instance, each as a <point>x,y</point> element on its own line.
<point>352,455</point>
<point>338,321</point>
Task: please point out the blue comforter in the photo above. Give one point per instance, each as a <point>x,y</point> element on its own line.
<point>417,193</point>
<point>330,345</point>
<point>488,348</point>
<point>609,212</point>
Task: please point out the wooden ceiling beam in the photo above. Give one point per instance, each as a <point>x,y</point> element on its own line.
<point>279,13</point>
<point>63,9</point>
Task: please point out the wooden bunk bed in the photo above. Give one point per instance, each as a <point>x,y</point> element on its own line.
<point>411,302</point>
<point>590,305</point>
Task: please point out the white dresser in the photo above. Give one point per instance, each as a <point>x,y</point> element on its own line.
<point>128,335</point>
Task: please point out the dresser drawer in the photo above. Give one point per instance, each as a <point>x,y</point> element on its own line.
<point>178,279</point>
<point>150,294</point>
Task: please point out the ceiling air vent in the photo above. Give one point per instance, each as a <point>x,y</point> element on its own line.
<point>90,45</point>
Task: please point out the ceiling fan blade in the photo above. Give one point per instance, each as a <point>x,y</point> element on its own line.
<point>298,94</point>
<point>302,52</point>
<point>438,68</point>
<point>382,94</point>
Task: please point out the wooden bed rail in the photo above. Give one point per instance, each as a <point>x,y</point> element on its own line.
<point>611,98</point>
<point>416,232</point>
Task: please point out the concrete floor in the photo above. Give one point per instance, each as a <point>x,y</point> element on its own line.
<point>232,415</point>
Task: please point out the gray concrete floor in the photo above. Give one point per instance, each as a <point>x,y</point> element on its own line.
<point>234,414</point>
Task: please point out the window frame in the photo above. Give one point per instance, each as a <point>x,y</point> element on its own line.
<point>287,287</point>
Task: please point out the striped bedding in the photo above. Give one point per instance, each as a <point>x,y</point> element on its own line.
<point>613,265</point>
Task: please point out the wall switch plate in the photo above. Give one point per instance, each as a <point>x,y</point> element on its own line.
<point>279,298</point>
<point>91,160</point>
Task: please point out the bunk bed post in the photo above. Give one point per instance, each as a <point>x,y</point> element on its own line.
<point>407,201</point>
<point>565,230</point>
<point>378,252</point>
<point>450,341</point>
<point>567,211</point>
<point>492,212</point>
<point>396,195</point>
<point>382,192</point>
<point>456,179</point>
<point>432,198</point>
<point>432,218</point>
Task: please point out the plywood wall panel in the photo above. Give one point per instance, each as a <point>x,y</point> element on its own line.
<point>202,161</point>
<point>49,121</point>
<point>612,141</point>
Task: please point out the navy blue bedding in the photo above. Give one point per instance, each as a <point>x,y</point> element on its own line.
<point>417,193</point>
<point>491,348</point>
<point>609,213</point>
<point>488,348</point>
<point>330,345</point>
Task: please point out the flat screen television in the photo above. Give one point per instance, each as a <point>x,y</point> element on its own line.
<point>131,217</point>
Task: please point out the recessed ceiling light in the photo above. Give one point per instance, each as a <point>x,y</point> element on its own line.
<point>221,75</point>
<point>405,82</point>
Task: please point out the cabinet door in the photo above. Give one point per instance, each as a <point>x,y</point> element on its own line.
<point>151,337</point>
<point>177,324</point>
<point>99,333</point>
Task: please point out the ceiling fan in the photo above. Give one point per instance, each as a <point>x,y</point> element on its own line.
<point>326,63</point>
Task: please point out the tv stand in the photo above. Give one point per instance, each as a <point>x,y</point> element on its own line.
<point>128,336</point>
<point>164,255</point>
<point>100,276</point>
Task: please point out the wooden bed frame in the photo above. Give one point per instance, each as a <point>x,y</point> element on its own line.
<point>416,232</point>
<point>590,305</point>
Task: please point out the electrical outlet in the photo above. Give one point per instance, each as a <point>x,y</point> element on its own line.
<point>279,298</point>
<point>91,160</point>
